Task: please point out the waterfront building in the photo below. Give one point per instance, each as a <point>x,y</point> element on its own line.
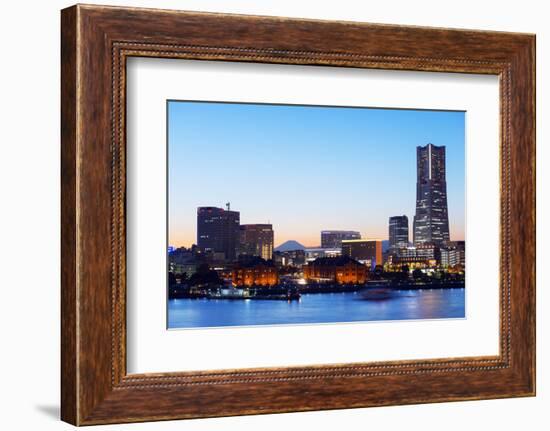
<point>431,221</point>
<point>255,272</point>
<point>187,268</point>
<point>289,258</point>
<point>341,270</point>
<point>398,232</point>
<point>449,257</point>
<point>453,254</point>
<point>334,238</point>
<point>368,252</point>
<point>422,256</point>
<point>182,261</point>
<point>218,232</point>
<point>256,240</point>
<point>427,251</point>
<point>313,253</point>
<point>460,245</point>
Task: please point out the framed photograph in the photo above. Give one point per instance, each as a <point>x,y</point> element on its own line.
<point>264,215</point>
<point>288,268</point>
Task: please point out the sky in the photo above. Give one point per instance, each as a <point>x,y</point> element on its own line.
<point>306,168</point>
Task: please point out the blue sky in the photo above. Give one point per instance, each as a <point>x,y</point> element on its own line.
<point>304,168</point>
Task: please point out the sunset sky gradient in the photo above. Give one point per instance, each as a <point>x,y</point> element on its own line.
<point>306,169</point>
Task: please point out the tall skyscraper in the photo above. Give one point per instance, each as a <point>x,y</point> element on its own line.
<point>218,231</point>
<point>399,231</point>
<point>431,222</point>
<point>256,240</point>
<point>334,238</point>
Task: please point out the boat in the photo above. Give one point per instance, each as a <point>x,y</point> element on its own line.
<point>290,296</point>
<point>232,293</point>
<point>387,289</point>
<point>377,293</point>
<point>229,293</point>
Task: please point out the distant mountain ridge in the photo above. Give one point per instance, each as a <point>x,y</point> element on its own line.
<point>290,245</point>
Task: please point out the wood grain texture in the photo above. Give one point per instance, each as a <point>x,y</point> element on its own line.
<point>69,397</point>
<point>96,41</point>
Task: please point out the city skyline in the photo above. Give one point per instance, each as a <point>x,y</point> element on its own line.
<point>306,169</point>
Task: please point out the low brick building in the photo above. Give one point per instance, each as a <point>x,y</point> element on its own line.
<point>255,272</point>
<point>341,270</point>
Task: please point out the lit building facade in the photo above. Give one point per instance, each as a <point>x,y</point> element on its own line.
<point>368,251</point>
<point>182,261</point>
<point>289,258</point>
<point>255,272</point>
<point>313,253</point>
<point>341,270</point>
<point>218,232</point>
<point>334,238</point>
<point>422,256</point>
<point>256,240</point>
<point>431,221</point>
<point>399,232</point>
<point>454,254</point>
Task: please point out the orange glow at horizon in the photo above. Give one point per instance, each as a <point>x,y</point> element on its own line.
<point>310,239</point>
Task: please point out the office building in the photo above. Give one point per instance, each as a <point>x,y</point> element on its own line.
<point>431,221</point>
<point>289,258</point>
<point>218,232</point>
<point>334,238</point>
<point>256,240</point>
<point>368,252</point>
<point>183,261</point>
<point>453,254</point>
<point>399,232</point>
<point>422,256</point>
<point>312,253</point>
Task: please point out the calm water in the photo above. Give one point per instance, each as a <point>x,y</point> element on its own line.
<point>316,308</point>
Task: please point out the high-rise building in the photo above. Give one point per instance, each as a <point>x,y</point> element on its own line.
<point>363,250</point>
<point>334,238</point>
<point>218,232</point>
<point>256,240</point>
<point>431,222</point>
<point>399,232</point>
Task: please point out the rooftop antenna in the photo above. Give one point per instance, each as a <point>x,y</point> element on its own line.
<point>228,205</point>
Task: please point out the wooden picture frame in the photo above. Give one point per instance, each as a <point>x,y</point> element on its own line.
<point>95,43</point>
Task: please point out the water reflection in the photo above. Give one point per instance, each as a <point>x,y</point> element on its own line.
<point>317,308</point>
